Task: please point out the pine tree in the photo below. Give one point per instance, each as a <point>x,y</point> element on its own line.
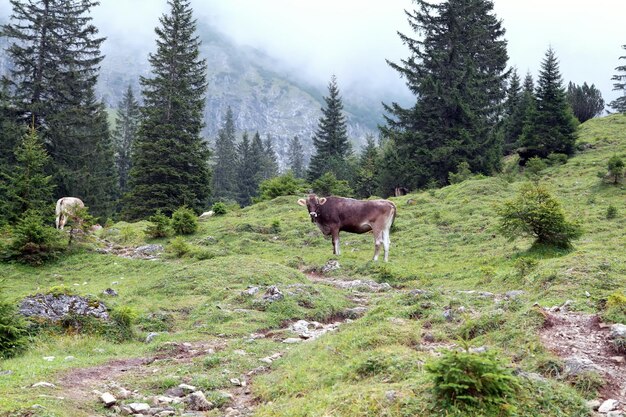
<point>124,136</point>
<point>225,156</point>
<point>270,161</point>
<point>56,56</point>
<point>513,121</point>
<point>457,71</point>
<point>10,131</point>
<point>553,128</point>
<point>170,161</point>
<point>247,171</point>
<point>619,104</point>
<point>332,146</point>
<point>296,158</point>
<point>586,102</point>
<point>367,178</point>
<point>26,186</point>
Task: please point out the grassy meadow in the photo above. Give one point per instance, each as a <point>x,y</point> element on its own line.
<point>445,242</point>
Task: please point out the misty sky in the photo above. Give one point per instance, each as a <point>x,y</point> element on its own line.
<point>352,38</point>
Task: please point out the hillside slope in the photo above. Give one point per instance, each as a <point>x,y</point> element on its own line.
<point>473,283</point>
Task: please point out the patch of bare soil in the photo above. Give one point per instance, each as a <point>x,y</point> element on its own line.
<point>582,341</point>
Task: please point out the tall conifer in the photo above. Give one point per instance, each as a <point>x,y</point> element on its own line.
<point>225,156</point>
<point>170,160</point>
<point>296,157</point>
<point>457,71</point>
<point>247,170</point>
<point>332,146</point>
<point>124,136</point>
<point>619,104</point>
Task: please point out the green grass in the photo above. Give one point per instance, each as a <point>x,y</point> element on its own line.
<point>445,243</point>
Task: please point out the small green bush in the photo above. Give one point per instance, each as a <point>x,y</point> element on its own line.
<point>184,221</point>
<point>534,167</point>
<point>468,380</point>
<point>33,242</point>
<point>328,184</point>
<point>219,208</point>
<point>615,308</point>
<point>121,328</point>
<point>462,173</point>
<point>611,212</point>
<point>616,168</point>
<point>285,184</point>
<point>557,159</point>
<point>13,330</point>
<point>535,213</point>
<point>160,225</point>
<point>525,265</point>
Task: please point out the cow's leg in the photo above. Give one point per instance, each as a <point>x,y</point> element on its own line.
<point>335,234</point>
<point>62,221</point>
<point>386,243</point>
<point>57,221</point>
<point>378,239</point>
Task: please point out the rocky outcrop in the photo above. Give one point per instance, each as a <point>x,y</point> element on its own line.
<point>54,307</point>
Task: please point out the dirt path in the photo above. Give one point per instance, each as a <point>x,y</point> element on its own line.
<point>581,340</point>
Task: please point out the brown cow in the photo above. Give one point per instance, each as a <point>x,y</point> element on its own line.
<point>335,214</point>
<point>66,209</point>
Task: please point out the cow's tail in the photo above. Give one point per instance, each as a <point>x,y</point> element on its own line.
<point>394,211</point>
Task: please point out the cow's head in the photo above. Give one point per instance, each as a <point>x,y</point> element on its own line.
<point>313,204</point>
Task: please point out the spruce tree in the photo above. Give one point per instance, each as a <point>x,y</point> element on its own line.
<point>170,160</point>
<point>270,161</point>
<point>586,102</point>
<point>619,104</point>
<point>225,156</point>
<point>27,186</point>
<point>367,178</point>
<point>457,71</point>
<point>296,158</point>
<point>124,136</point>
<point>513,121</point>
<point>553,127</point>
<point>332,146</point>
<point>247,171</point>
<point>56,56</point>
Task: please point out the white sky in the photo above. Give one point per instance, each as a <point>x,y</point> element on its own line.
<point>352,38</point>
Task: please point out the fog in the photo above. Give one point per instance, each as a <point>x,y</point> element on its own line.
<point>352,38</point>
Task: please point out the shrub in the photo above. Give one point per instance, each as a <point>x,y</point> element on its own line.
<point>525,265</point>
<point>616,168</point>
<point>533,169</point>
<point>121,327</point>
<point>557,159</point>
<point>471,380</point>
<point>285,184</point>
<point>219,208</point>
<point>160,225</point>
<point>179,247</point>
<point>615,307</point>
<point>12,330</point>
<point>462,173</point>
<point>33,242</point>
<point>184,221</point>
<point>535,213</point>
<point>328,184</point>
<point>611,212</point>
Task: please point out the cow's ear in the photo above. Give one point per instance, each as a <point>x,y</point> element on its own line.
<point>322,201</point>
<point>302,202</point>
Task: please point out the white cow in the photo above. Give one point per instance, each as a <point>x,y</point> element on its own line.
<point>66,209</point>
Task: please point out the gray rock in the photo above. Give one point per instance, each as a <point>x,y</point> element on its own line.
<point>608,405</point>
<point>69,358</point>
<point>151,336</point>
<point>391,395</point>
<point>512,295</point>
<point>481,349</point>
<point>139,408</point>
<point>7,372</point>
<point>292,340</point>
<point>594,404</point>
<point>196,401</point>
<point>331,265</point>
<point>448,314</point>
<point>175,392</point>
<point>575,365</point>
<point>273,294</point>
<point>250,291</point>
<point>615,414</point>
<point>618,331</point>
<point>418,292</point>
<point>187,389</point>
<point>108,400</point>
<point>55,307</point>
<point>148,250</point>
<point>354,313</point>
<point>110,292</point>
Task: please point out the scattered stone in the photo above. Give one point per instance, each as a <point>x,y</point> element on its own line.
<point>266,360</point>
<point>48,358</point>
<point>138,408</point>
<point>418,292</point>
<point>43,384</point>
<point>187,389</point>
<point>151,336</point>
<point>608,405</point>
<point>358,284</point>
<point>196,401</point>
<point>69,358</point>
<point>108,400</point>
<point>391,395</point>
<point>448,315</point>
<point>292,340</point>
<point>331,265</point>
<point>618,359</point>
<point>123,393</point>
<point>594,404</point>
<point>7,372</point>
<point>512,295</point>
<point>250,291</point>
<point>110,292</point>
<point>618,331</point>
<point>162,399</point>
<point>428,337</point>
<point>207,214</point>
<point>587,294</point>
<point>574,365</point>
<point>57,306</point>
<point>240,352</point>
<point>176,392</point>
<point>273,294</point>
<point>615,414</point>
<point>236,382</point>
<point>147,251</point>
<point>481,349</point>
